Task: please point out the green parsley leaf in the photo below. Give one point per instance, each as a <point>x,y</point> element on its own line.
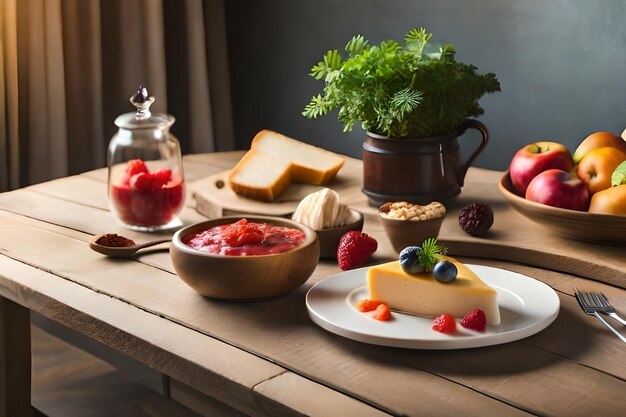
<point>430,254</point>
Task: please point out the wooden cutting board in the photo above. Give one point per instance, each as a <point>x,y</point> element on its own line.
<point>214,198</point>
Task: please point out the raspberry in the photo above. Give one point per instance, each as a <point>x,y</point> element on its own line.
<point>444,324</point>
<point>355,249</point>
<point>476,320</point>
<point>141,182</point>
<point>160,178</point>
<point>476,218</point>
<point>382,313</point>
<point>135,166</point>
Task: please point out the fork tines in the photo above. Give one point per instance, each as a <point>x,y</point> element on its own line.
<point>595,303</point>
<point>604,300</point>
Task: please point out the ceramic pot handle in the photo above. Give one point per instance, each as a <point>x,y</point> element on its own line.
<point>472,124</point>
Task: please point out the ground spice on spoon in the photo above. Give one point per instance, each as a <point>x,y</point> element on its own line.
<point>114,240</point>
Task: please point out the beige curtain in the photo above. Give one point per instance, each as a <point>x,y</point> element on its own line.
<point>68,67</point>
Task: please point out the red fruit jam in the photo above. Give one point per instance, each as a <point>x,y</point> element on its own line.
<point>147,199</point>
<point>245,238</point>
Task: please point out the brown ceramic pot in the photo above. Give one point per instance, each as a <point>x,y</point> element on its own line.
<point>403,233</point>
<point>417,170</point>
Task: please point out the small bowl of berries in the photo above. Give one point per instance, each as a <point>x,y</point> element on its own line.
<point>407,224</point>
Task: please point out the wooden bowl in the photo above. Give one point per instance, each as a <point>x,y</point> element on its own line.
<point>329,238</point>
<point>579,225</point>
<point>244,278</point>
<point>403,233</point>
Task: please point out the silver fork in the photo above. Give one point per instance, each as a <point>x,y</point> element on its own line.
<point>591,307</point>
<point>608,308</point>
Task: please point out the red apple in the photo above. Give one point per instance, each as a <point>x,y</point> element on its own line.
<point>557,188</point>
<point>535,158</point>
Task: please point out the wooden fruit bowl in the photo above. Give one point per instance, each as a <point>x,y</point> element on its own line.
<point>579,225</point>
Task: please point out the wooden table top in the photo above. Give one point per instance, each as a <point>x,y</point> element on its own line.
<point>268,358</point>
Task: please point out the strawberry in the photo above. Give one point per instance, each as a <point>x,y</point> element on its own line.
<point>367,305</point>
<point>355,249</point>
<point>241,233</point>
<point>382,313</point>
<point>141,182</point>
<point>249,237</point>
<point>444,324</point>
<point>476,320</point>
<point>135,166</point>
<point>124,180</point>
<point>160,178</point>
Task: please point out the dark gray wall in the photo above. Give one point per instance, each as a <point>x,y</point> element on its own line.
<point>561,63</point>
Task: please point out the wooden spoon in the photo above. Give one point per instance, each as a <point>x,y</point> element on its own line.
<point>122,251</point>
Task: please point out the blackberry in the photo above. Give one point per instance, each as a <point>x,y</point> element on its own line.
<point>476,218</point>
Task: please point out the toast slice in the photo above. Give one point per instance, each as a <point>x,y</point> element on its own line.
<point>275,160</point>
<point>260,176</point>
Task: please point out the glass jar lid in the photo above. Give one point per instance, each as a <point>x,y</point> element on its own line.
<point>143,118</point>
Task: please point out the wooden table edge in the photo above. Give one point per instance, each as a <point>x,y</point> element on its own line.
<point>70,304</point>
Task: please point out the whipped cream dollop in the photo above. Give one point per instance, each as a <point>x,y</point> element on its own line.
<point>322,210</point>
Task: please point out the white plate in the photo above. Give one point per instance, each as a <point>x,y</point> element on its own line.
<point>527,306</point>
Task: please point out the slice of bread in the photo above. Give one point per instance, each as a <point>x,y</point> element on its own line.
<point>260,176</point>
<point>275,160</point>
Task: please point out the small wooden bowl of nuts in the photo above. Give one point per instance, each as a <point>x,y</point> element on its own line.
<point>408,224</point>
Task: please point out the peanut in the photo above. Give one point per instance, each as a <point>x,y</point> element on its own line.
<point>403,210</point>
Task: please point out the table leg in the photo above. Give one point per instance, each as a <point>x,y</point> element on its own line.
<point>15,360</point>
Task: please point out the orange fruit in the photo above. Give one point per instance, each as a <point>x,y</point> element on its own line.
<point>597,166</point>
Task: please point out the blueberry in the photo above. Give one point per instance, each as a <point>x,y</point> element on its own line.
<point>409,260</point>
<point>445,271</point>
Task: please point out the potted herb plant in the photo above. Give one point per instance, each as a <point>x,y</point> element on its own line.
<point>414,101</point>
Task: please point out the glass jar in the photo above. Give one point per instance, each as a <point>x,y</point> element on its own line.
<point>146,181</point>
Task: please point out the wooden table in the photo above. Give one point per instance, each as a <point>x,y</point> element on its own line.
<point>268,358</point>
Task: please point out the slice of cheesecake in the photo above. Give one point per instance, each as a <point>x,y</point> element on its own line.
<point>423,295</point>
